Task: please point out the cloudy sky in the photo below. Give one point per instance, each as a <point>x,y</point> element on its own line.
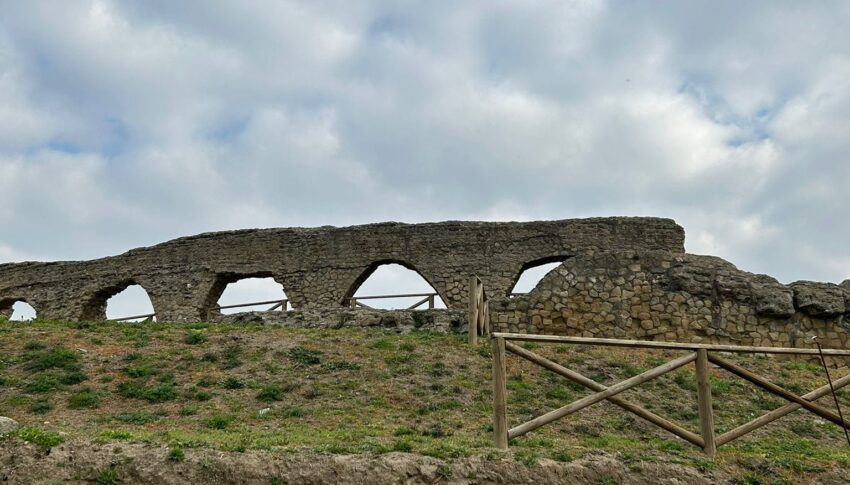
<point>127,123</point>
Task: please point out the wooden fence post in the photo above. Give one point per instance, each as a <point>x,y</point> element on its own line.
<point>706,414</point>
<point>473,310</point>
<point>500,420</point>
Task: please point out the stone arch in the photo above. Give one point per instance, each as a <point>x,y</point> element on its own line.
<point>94,308</point>
<point>7,307</point>
<point>370,270</point>
<point>210,303</point>
<point>548,260</point>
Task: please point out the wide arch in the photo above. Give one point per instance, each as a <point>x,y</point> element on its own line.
<point>222,279</point>
<point>530,265</point>
<point>95,307</point>
<point>370,270</point>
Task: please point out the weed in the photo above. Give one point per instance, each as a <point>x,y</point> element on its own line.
<point>56,358</point>
<point>207,382</point>
<point>232,383</point>
<point>231,357</point>
<point>187,411</point>
<point>176,454</point>
<point>340,366</point>
<point>107,476</point>
<point>40,407</point>
<point>402,446</point>
<point>195,338</point>
<point>42,438</point>
<point>138,371</point>
<point>84,399</point>
<point>292,412</point>
<point>138,417</point>
<point>43,383</point>
<point>270,393</point>
<point>218,421</point>
<point>158,393</point>
<point>303,356</point>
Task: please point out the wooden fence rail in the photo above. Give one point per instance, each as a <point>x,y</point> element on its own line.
<point>278,304</point>
<point>699,354</point>
<point>427,298</point>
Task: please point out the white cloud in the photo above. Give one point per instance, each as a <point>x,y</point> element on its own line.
<point>127,123</point>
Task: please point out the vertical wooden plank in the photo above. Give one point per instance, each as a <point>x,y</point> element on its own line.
<point>431,302</point>
<point>500,420</point>
<point>486,317</point>
<point>473,310</point>
<point>706,414</point>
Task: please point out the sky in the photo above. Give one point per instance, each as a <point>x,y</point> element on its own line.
<point>128,123</point>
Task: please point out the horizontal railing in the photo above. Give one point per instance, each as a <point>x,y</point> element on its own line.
<point>427,298</point>
<point>277,304</point>
<point>700,354</point>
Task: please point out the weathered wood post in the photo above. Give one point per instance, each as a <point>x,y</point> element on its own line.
<point>500,420</point>
<point>706,414</point>
<point>473,310</point>
<point>431,302</point>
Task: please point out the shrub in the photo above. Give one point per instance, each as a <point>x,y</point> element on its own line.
<point>303,356</point>
<point>218,421</point>
<point>56,358</point>
<point>232,383</point>
<point>161,392</point>
<point>176,454</point>
<point>195,338</point>
<point>44,439</point>
<point>40,407</point>
<point>85,398</point>
<point>230,357</point>
<point>138,371</point>
<point>43,383</point>
<point>270,393</point>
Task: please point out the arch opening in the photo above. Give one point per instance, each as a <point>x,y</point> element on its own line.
<point>17,311</point>
<point>252,294</point>
<point>388,279</point>
<point>130,304</point>
<point>533,272</point>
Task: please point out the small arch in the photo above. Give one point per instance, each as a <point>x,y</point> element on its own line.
<point>116,302</point>
<point>392,277</point>
<point>259,285</point>
<point>534,271</point>
<point>17,310</point>
<point>132,301</point>
<point>250,290</point>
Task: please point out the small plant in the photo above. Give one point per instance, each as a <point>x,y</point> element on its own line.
<point>303,356</point>
<point>195,338</point>
<point>40,407</point>
<point>218,421</point>
<point>164,391</point>
<point>138,371</point>
<point>43,383</point>
<point>56,358</point>
<point>270,393</point>
<point>231,356</point>
<point>187,411</point>
<point>292,412</point>
<point>107,476</point>
<point>44,439</point>
<point>402,446</point>
<point>232,383</point>
<point>207,382</point>
<point>138,417</point>
<point>176,454</point>
<point>84,399</point>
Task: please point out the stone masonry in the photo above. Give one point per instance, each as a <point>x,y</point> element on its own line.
<point>665,295</point>
<point>321,267</point>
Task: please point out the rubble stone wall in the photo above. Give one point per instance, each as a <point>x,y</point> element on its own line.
<point>670,296</point>
<point>321,267</point>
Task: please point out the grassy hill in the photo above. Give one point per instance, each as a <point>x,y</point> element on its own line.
<point>197,389</point>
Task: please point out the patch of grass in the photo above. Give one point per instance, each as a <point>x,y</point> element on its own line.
<point>138,371</point>
<point>83,399</point>
<point>56,358</point>
<point>303,356</point>
<point>232,383</point>
<point>270,393</point>
<point>106,476</point>
<point>292,412</point>
<point>43,383</point>
<point>218,421</point>
<point>333,366</point>
<point>195,338</point>
<point>40,437</point>
<point>381,344</point>
<point>40,407</point>
<point>176,454</point>
<point>137,417</point>
<point>231,357</point>
<point>164,391</point>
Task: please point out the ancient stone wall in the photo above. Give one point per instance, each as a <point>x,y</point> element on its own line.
<point>321,267</point>
<point>663,295</point>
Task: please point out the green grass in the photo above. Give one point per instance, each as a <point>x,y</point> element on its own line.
<point>365,391</point>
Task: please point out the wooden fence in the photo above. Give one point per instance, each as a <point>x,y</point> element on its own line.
<point>427,299</point>
<point>479,311</point>
<point>277,304</point>
<point>700,354</point>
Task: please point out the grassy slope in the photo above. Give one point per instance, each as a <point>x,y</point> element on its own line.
<point>356,391</point>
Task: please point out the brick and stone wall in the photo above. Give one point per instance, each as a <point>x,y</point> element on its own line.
<point>664,295</point>
<point>321,267</point>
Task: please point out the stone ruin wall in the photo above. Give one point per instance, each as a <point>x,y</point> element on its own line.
<point>663,295</point>
<point>320,267</point>
<point>620,278</point>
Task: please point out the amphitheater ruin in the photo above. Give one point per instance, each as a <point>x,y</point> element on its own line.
<point>622,277</point>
